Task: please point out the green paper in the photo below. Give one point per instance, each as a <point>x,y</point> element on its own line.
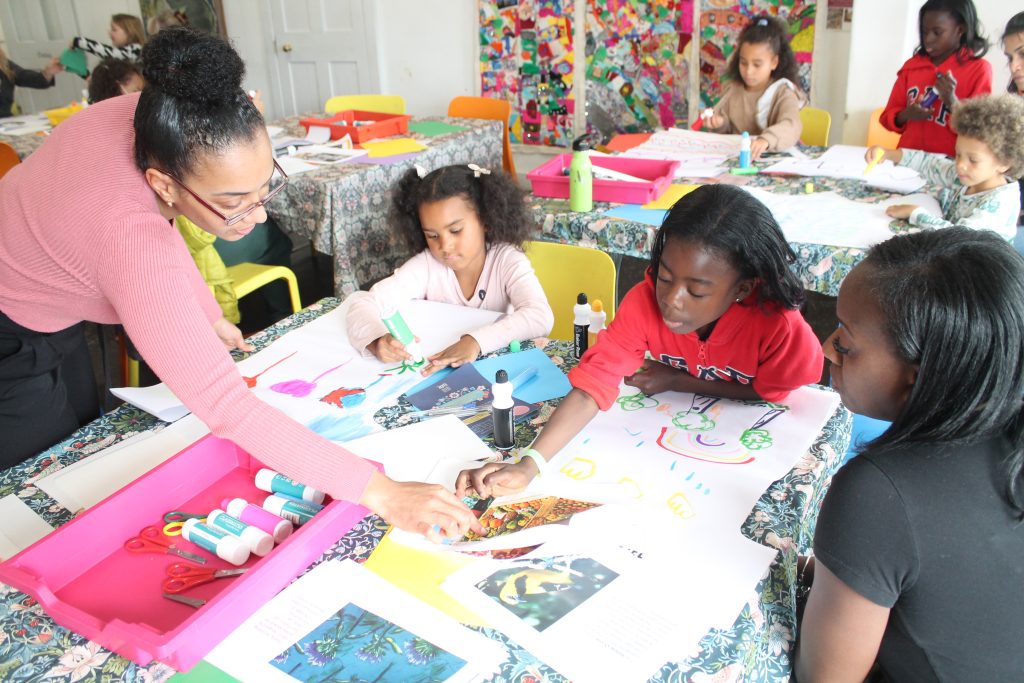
<point>431,129</point>
<point>203,672</point>
<point>74,61</point>
<point>749,170</point>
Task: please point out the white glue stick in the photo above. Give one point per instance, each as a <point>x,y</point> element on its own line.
<point>227,548</point>
<point>296,511</point>
<point>258,541</point>
<point>273,482</point>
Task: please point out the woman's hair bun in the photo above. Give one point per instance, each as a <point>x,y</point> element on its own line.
<point>192,65</point>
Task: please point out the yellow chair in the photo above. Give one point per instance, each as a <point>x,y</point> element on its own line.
<point>386,104</point>
<point>246,278</point>
<point>816,123</point>
<point>879,134</point>
<point>8,158</point>
<point>565,270</point>
<point>465,107</point>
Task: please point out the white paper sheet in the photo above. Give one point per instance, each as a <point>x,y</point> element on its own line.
<point>20,527</point>
<point>90,480</point>
<point>700,155</point>
<point>290,623</point>
<point>828,218</point>
<point>293,166</point>
<point>596,612</point>
<point>327,154</point>
<point>415,452</point>
<point>25,124</point>
<point>847,161</point>
<point>156,400</point>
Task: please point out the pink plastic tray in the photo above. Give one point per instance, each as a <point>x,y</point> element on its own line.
<point>87,582</point>
<point>552,180</point>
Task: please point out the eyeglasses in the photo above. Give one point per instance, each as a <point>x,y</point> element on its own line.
<point>231,220</point>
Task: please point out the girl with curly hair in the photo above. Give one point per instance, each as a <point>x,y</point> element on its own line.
<point>975,190</point>
<point>190,144</point>
<point>761,95</point>
<point>467,225</point>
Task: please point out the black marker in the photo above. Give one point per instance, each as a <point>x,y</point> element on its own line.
<point>501,412</point>
<point>580,325</point>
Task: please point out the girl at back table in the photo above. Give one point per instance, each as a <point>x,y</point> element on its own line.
<point>467,225</point>
<point>125,33</point>
<point>919,547</point>
<point>761,95</point>
<point>717,312</point>
<point>100,246</point>
<point>946,67</point>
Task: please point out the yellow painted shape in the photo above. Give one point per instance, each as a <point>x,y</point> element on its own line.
<point>680,506</point>
<point>421,573</point>
<point>579,469</point>
<point>803,41</point>
<point>388,148</point>
<point>629,481</point>
<point>670,196</point>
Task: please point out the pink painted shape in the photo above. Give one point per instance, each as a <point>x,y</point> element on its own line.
<point>300,387</point>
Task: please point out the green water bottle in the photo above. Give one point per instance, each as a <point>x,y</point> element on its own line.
<point>581,176</point>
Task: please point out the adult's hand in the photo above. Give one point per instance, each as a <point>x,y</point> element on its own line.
<point>231,336</point>
<point>496,479</point>
<point>426,509</point>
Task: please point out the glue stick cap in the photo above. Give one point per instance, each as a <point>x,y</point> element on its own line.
<point>597,306</point>
<point>581,298</point>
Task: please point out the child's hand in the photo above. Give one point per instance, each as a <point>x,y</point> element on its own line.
<point>945,85</point>
<point>466,350</point>
<point>758,146</point>
<point>496,478</point>
<point>900,210</point>
<point>653,378</point>
<point>913,112</point>
<point>893,155</point>
<point>231,336</point>
<point>53,67</point>
<point>387,349</point>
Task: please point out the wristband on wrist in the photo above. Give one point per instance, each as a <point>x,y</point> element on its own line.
<point>538,459</point>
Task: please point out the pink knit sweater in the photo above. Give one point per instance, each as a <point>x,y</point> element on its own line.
<point>81,238</point>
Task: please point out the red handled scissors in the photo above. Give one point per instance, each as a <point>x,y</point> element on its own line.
<point>150,540</point>
<point>181,577</point>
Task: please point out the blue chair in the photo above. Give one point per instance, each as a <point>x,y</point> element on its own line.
<point>864,429</point>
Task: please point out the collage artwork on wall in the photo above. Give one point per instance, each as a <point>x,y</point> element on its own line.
<point>640,55</point>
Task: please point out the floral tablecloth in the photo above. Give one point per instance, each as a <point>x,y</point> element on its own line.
<point>24,144</point>
<point>342,208</point>
<point>757,647</point>
<point>820,267</point>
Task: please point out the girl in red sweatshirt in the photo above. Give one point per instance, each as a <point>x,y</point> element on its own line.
<point>947,66</point>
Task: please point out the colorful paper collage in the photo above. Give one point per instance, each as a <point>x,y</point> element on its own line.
<point>638,63</point>
<point>720,24</point>
<point>526,57</point>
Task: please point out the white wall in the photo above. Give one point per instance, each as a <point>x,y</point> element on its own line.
<point>427,51</point>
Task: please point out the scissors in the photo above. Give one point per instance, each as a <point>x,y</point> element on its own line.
<point>185,600</point>
<point>150,540</point>
<point>175,520</point>
<point>181,577</point>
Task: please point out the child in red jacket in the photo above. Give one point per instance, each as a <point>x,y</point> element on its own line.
<point>718,313</point>
<point>946,66</point>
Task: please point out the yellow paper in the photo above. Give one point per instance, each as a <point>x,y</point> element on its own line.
<point>421,573</point>
<point>670,196</point>
<point>387,148</point>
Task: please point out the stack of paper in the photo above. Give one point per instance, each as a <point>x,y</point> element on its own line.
<point>700,155</point>
<point>847,161</point>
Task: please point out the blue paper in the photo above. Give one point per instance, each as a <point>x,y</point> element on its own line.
<point>637,214</point>
<point>549,383</point>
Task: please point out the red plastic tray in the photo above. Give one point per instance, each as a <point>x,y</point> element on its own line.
<point>84,578</point>
<point>343,123</point>
<point>552,180</point>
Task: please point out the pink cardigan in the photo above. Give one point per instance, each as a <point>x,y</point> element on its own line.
<point>507,283</point>
<point>81,238</point>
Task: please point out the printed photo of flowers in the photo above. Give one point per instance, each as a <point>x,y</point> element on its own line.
<point>356,645</point>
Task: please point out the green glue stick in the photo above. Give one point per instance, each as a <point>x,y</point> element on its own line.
<point>400,330</point>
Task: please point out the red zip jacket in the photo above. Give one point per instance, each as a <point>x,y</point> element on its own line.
<point>973,77</point>
<point>771,347</point>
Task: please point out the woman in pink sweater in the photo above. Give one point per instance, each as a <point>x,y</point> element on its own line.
<point>86,234</point>
<point>468,225</point>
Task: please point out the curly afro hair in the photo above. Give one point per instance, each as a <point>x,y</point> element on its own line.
<point>494,196</point>
<point>193,104</point>
<point>998,121</point>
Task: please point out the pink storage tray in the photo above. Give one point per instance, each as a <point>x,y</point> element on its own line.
<point>551,179</point>
<point>87,582</point>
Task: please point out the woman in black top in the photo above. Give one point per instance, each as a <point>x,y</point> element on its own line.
<point>13,75</point>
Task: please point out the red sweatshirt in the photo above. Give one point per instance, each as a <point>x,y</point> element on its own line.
<point>770,347</point>
<point>973,77</point>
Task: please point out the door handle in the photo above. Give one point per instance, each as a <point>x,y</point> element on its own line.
<point>287,47</point>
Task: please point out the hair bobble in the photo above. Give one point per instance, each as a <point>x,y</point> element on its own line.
<point>477,171</point>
